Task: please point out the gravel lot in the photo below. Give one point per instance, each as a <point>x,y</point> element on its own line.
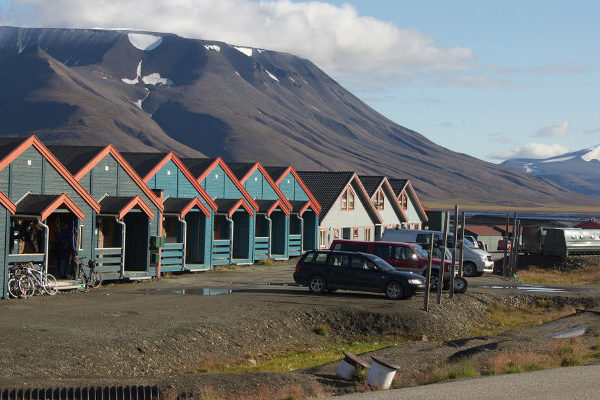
<point>164,331</point>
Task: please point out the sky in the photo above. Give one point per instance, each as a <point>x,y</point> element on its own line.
<point>493,79</point>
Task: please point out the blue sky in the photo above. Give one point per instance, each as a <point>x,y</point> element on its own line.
<point>488,78</point>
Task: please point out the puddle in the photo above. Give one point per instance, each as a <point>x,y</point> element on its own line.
<point>569,333</point>
<point>272,284</point>
<point>202,291</point>
<point>527,288</point>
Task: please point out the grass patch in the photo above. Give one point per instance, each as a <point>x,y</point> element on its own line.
<point>322,329</point>
<point>266,262</point>
<point>501,318</point>
<point>555,277</point>
<point>463,369</point>
<point>286,361</point>
<point>229,267</point>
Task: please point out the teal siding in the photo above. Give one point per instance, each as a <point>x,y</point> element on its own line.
<point>218,184</point>
<point>4,180</point>
<point>4,221</point>
<point>259,188</point>
<point>290,187</point>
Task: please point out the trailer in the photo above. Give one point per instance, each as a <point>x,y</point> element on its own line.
<point>563,242</point>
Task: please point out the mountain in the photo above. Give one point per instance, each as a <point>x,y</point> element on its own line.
<point>578,171</point>
<point>143,91</point>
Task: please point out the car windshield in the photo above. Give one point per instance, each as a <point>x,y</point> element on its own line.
<point>420,251</point>
<point>380,262</point>
<point>469,244</point>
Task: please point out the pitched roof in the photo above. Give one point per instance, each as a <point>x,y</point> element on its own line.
<point>300,206</point>
<point>8,144</point>
<point>268,206</point>
<point>371,183</point>
<point>43,205</point>
<point>326,186</point>
<point>181,206</point>
<point>119,206</point>
<point>240,169</point>
<point>276,172</point>
<point>197,165</point>
<point>229,206</point>
<point>482,230</point>
<point>74,158</point>
<point>397,185</point>
<point>143,163</point>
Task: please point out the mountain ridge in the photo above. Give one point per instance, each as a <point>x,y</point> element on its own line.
<point>205,97</point>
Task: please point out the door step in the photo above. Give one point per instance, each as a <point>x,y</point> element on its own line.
<point>137,277</point>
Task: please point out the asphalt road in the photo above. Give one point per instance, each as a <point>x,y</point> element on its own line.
<point>555,384</point>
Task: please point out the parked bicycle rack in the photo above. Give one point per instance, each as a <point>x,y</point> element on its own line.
<point>83,393</point>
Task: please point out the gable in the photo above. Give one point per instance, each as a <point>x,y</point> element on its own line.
<point>358,217</point>
<point>218,184</point>
<point>292,189</point>
<point>390,213</point>
<point>259,187</point>
<point>173,182</point>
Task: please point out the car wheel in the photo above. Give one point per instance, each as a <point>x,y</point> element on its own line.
<point>460,285</point>
<point>394,290</point>
<point>317,284</point>
<point>433,281</point>
<point>469,269</point>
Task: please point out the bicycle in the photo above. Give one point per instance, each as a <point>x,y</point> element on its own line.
<point>94,279</point>
<point>37,281</point>
<point>14,288</point>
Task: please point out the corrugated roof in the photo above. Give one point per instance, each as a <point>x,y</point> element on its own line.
<point>326,187</point>
<point>240,169</point>
<point>197,165</point>
<point>482,230</point>
<point>371,183</point>
<point>8,144</point>
<point>74,158</point>
<point>143,163</point>
<point>397,185</point>
<point>275,172</point>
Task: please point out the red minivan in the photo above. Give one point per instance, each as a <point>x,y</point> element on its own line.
<point>403,256</point>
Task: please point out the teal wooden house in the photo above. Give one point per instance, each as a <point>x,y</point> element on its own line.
<point>234,220</point>
<point>47,200</point>
<point>188,211</point>
<point>272,220</point>
<point>7,210</point>
<point>128,223</point>
<point>304,217</point>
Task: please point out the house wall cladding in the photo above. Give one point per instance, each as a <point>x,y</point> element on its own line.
<point>412,214</point>
<point>218,184</point>
<point>258,187</point>
<point>109,177</point>
<point>291,189</point>
<point>388,215</point>
<point>31,172</point>
<point>4,246</point>
<point>357,218</point>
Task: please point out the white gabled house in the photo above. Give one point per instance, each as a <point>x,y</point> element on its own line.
<point>347,211</point>
<point>384,200</point>
<point>410,203</point>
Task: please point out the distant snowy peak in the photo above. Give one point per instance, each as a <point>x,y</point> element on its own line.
<point>144,41</point>
<point>593,153</point>
<point>245,50</point>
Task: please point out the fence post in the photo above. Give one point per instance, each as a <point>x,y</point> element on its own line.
<point>513,249</point>
<point>462,248</point>
<point>455,242</point>
<point>443,263</point>
<point>430,261</point>
<point>504,273</point>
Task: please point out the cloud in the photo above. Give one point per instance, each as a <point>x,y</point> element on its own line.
<point>558,129</point>
<point>594,129</point>
<point>334,37</point>
<point>531,150</point>
<point>562,69</point>
<point>499,137</point>
<point>475,81</point>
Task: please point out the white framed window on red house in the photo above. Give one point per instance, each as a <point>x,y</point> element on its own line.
<point>347,200</point>
<point>354,233</point>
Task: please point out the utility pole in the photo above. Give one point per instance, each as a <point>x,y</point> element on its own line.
<point>451,295</point>
<point>462,248</point>
<point>427,289</point>
<point>504,273</point>
<point>441,269</point>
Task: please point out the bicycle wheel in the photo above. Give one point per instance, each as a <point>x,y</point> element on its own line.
<point>13,288</point>
<point>95,279</point>
<point>27,286</point>
<point>50,284</point>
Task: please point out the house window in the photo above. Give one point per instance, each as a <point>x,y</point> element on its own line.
<point>347,201</point>
<point>379,200</point>
<point>323,238</point>
<point>354,233</point>
<point>336,233</point>
<point>403,201</point>
<point>368,234</point>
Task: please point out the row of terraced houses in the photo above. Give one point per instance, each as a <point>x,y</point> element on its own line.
<point>139,215</point>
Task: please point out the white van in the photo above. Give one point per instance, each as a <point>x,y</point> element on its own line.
<point>476,261</point>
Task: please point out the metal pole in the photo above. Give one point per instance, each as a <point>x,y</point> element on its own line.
<point>452,270</point>
<point>462,248</point>
<point>518,240</point>
<point>512,250</point>
<point>443,263</point>
<point>505,247</point>
<point>427,290</point>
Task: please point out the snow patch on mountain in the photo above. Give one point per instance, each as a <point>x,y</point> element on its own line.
<point>212,47</point>
<point>246,50</point>
<point>272,76</point>
<point>137,76</point>
<point>592,154</point>
<point>144,41</point>
<point>559,159</point>
<point>156,79</point>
